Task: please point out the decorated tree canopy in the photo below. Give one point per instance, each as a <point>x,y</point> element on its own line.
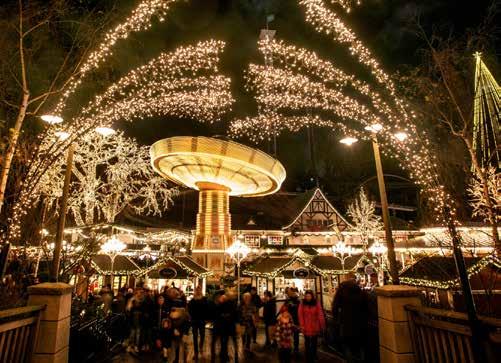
<point>109,174</point>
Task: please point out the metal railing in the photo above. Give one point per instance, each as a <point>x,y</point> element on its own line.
<point>18,333</point>
<point>444,336</point>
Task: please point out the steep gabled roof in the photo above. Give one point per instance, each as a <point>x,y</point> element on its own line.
<point>311,195</point>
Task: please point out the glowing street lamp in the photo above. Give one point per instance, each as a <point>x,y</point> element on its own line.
<point>348,141</point>
<point>105,131</point>
<point>374,128</point>
<point>342,251</point>
<point>52,119</point>
<point>378,250</point>
<point>112,248</point>
<point>401,136</point>
<point>238,251</point>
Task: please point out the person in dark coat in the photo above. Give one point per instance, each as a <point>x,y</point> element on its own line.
<point>258,303</point>
<point>292,303</point>
<point>269,317</point>
<point>198,308</point>
<point>180,320</point>
<point>350,312</point>
<point>225,316</point>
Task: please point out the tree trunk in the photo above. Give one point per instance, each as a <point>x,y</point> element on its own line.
<point>11,150</point>
<point>490,208</point>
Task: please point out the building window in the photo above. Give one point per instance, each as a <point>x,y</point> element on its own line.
<point>252,240</point>
<point>275,240</point>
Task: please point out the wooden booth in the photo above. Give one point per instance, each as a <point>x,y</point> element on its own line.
<point>320,273</point>
<point>179,271</point>
<point>437,277</point>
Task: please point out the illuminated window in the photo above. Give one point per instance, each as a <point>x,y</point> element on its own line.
<point>252,240</point>
<point>275,240</point>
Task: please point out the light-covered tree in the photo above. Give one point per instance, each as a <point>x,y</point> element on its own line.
<point>109,174</point>
<point>362,212</point>
<point>481,207</point>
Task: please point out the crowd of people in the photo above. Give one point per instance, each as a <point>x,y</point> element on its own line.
<point>163,322</point>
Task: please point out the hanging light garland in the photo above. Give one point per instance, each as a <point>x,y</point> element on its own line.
<point>300,83</point>
<point>184,83</point>
<point>139,20</point>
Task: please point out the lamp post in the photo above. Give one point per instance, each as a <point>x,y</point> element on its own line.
<point>112,248</point>
<point>238,251</point>
<point>63,208</point>
<point>378,250</point>
<point>400,136</point>
<point>342,252</point>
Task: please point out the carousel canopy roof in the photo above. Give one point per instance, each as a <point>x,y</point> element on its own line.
<point>440,271</point>
<point>188,161</point>
<point>123,265</point>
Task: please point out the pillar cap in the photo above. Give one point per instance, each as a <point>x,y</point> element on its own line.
<point>397,291</point>
<point>50,288</point>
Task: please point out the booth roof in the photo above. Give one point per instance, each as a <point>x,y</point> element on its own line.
<point>183,265</point>
<point>331,263</point>
<point>440,271</point>
<point>268,265</point>
<point>436,268</point>
<point>193,265</point>
<point>122,264</point>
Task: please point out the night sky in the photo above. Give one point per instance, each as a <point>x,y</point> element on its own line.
<point>383,25</point>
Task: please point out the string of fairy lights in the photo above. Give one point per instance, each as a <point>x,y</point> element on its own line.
<point>300,83</point>
<point>140,19</point>
<point>184,83</point>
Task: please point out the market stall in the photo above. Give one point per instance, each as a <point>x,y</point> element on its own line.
<point>178,271</point>
<point>436,276</point>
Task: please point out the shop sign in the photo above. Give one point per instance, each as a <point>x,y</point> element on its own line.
<point>369,269</point>
<point>167,273</point>
<point>301,273</point>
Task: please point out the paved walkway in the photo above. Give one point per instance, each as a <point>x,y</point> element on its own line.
<point>259,354</point>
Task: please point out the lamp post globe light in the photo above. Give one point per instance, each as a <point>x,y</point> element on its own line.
<point>342,251</point>
<point>238,251</point>
<point>112,247</point>
<point>400,136</point>
<point>378,250</point>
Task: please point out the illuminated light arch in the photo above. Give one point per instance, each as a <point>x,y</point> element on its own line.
<point>301,90</point>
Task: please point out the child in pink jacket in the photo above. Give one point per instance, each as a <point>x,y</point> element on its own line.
<point>312,323</point>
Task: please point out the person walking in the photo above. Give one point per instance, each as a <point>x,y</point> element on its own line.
<point>198,309</point>
<point>180,327</point>
<point>134,309</point>
<point>312,323</point>
<point>225,316</point>
<point>284,330</point>
<point>248,319</point>
<point>269,317</point>
<point>165,338</point>
<point>292,304</point>
<point>351,312</point>
<point>257,302</point>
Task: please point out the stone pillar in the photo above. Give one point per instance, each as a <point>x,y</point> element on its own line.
<point>395,344</point>
<point>54,334</point>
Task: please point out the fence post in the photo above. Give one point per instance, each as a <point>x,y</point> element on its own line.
<point>54,333</point>
<point>395,343</point>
